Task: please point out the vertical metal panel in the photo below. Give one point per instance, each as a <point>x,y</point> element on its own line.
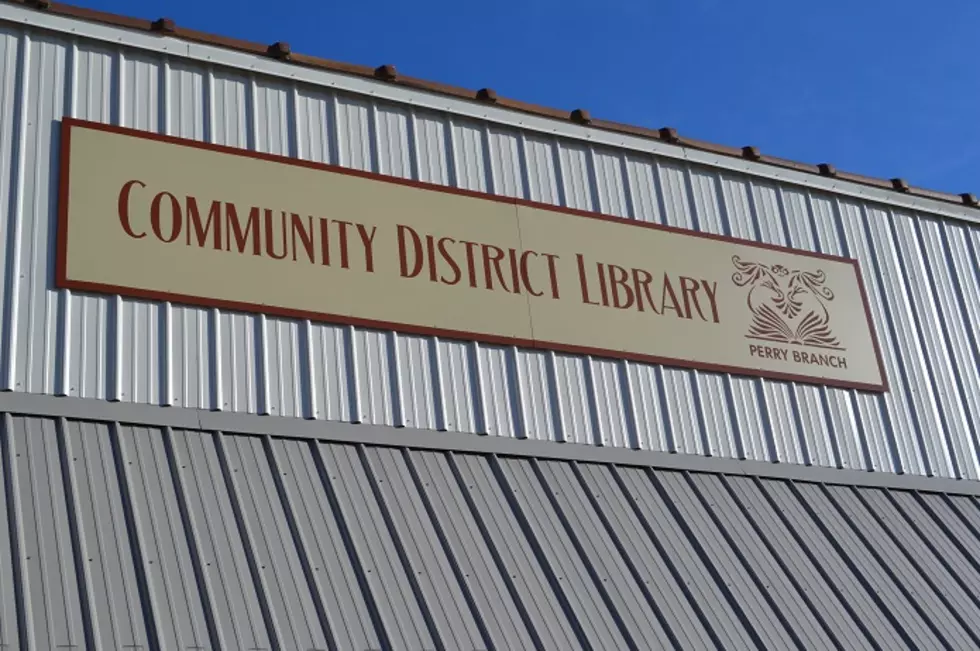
<point>475,559</point>
<point>275,564</point>
<point>888,592</point>
<point>793,553</point>
<point>499,389</point>
<point>505,162</point>
<point>707,596</point>
<point>10,566</point>
<point>332,575</point>
<point>748,547</point>
<point>226,575</point>
<point>833,562</point>
<point>111,581</point>
<point>576,176</point>
<point>921,275</point>
<point>648,400</point>
<point>398,606</point>
<point>928,600</point>
<point>395,153</point>
<point>541,169</point>
<point>50,572</point>
<point>158,528</point>
<point>553,533</point>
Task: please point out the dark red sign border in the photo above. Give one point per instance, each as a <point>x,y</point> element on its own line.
<point>62,280</point>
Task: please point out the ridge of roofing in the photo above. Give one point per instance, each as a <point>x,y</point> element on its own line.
<point>281,51</point>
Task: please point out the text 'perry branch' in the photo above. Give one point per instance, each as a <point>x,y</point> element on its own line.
<point>289,236</point>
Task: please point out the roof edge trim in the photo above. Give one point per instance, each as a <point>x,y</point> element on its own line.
<point>959,206</point>
<point>37,405</point>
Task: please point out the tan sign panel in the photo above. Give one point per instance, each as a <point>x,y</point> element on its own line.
<point>163,218</point>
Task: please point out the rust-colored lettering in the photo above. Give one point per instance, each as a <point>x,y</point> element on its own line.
<point>710,290</point>
<point>344,258</point>
<point>235,227</point>
<point>526,276</point>
<point>430,245</point>
<point>127,188</point>
<point>175,217</point>
<point>325,241</point>
<point>553,273</point>
<point>305,236</point>
<point>403,253</point>
<point>368,241</point>
<point>641,280</point>
<point>470,261</point>
<point>493,260</point>
<point>201,231</point>
<point>515,276</point>
<point>619,283</point>
<point>583,280</point>
<point>270,248</point>
<point>603,292</point>
<point>668,291</point>
<point>457,274</point>
<point>689,290</point>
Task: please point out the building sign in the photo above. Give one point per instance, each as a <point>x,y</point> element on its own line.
<point>162,218</point>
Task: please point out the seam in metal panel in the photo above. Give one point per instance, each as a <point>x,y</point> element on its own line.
<point>603,518</point>
<point>350,546</point>
<point>594,616</point>
<point>538,551</point>
<point>878,502</point>
<point>261,591</point>
<point>716,568</point>
<point>756,576</point>
<point>193,546</point>
<point>16,208</point>
<point>446,547</point>
<point>135,538</point>
<point>480,518</point>
<point>806,546</point>
<point>494,606</point>
<point>778,527</point>
<point>297,540</point>
<point>947,501</point>
<point>834,497</point>
<point>573,537</point>
<point>71,497</point>
<point>713,622</point>
<point>646,566</point>
<point>14,530</point>
<point>384,509</point>
<point>893,618</point>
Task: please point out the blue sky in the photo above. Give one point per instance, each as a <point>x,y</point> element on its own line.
<point>878,87</point>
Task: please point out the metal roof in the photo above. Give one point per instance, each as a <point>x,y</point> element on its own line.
<point>126,536</point>
<point>281,51</point>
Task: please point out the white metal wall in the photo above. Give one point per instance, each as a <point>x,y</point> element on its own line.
<point>921,271</point>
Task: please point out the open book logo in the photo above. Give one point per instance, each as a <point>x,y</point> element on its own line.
<point>788,306</point>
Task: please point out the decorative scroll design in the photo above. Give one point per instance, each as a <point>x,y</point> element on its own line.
<point>787,306</point>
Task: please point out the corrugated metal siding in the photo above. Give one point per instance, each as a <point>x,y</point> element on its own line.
<point>133,537</point>
<point>922,273</point>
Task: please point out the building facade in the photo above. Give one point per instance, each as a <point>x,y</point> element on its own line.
<point>181,476</point>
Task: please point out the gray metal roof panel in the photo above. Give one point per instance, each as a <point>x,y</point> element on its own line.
<point>173,539</point>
